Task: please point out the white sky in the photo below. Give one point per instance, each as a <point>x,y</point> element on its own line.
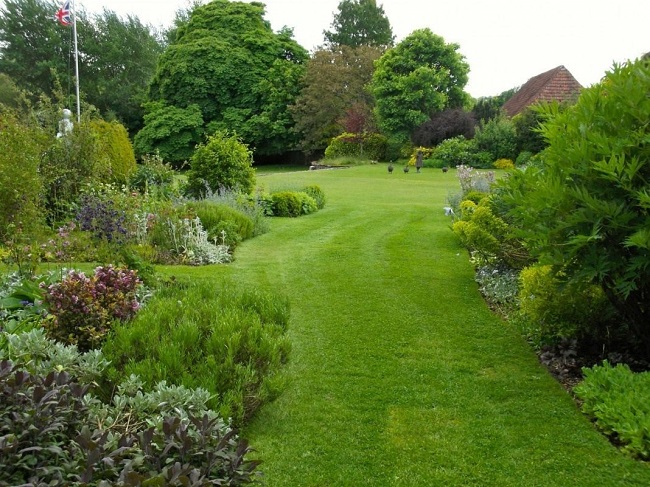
<point>505,42</point>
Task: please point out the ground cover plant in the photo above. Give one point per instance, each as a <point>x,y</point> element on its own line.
<point>617,400</point>
<point>54,430</point>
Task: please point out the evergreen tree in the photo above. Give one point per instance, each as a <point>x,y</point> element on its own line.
<point>360,23</point>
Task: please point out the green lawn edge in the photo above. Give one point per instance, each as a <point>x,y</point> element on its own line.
<point>399,374</point>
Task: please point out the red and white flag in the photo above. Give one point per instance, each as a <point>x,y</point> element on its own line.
<point>64,15</point>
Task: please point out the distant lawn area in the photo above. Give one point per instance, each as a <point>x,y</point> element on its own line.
<point>399,374</point>
<point>267,170</point>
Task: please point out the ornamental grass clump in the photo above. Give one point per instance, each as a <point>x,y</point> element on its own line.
<point>83,308</point>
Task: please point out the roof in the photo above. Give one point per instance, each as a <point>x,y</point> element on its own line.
<point>558,84</point>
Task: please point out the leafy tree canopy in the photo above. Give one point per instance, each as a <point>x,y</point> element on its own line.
<point>488,107</point>
<point>227,61</point>
<point>419,77</point>
<point>360,23</point>
<point>171,131</point>
<point>117,56</point>
<point>334,97</point>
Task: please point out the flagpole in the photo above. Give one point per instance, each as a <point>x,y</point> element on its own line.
<point>76,59</point>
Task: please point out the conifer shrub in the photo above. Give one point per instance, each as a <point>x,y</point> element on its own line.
<point>228,341</point>
<point>113,144</point>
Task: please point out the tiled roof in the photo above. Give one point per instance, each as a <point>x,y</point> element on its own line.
<point>556,84</point>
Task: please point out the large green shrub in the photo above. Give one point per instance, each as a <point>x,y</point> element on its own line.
<point>20,184</point>
<point>618,400</point>
<point>70,164</point>
<point>152,172</point>
<point>586,209</point>
<point>551,312</point>
<point>317,193</point>
<point>366,145</point>
<point>527,128</point>
<point>113,143</point>
<point>498,138</point>
<point>171,132</point>
<point>225,340</point>
<point>460,151</point>
<point>223,162</point>
<point>293,203</point>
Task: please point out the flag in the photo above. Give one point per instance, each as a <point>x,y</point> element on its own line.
<point>64,15</point>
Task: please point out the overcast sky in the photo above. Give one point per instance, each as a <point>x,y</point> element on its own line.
<point>505,42</point>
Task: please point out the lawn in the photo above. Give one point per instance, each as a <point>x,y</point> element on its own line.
<point>399,373</point>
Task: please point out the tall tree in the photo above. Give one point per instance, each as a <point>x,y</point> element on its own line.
<point>116,57</point>
<point>419,77</point>
<point>227,60</point>
<point>33,48</point>
<point>488,107</point>
<point>123,54</point>
<point>334,94</point>
<point>360,23</point>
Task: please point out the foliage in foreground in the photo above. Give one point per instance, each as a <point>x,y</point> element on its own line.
<point>52,431</point>
<point>203,334</point>
<point>618,400</point>
<point>585,210</point>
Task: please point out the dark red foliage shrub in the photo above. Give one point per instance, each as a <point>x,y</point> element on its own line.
<point>82,308</point>
<point>444,125</point>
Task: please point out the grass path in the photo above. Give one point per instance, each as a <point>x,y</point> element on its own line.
<point>399,374</point>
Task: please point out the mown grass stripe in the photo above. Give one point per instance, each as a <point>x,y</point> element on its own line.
<point>399,374</point>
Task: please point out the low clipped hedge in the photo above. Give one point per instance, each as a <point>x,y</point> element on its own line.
<point>293,203</point>
<point>296,203</point>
